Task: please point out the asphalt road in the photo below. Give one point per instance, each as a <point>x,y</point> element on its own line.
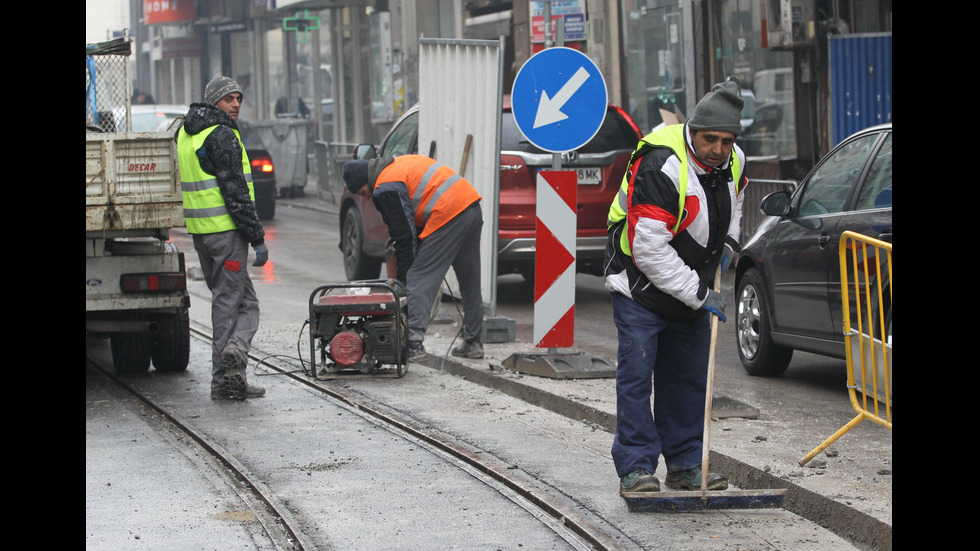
<point>767,424</point>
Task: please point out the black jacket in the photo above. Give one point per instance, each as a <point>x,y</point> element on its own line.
<point>222,156</point>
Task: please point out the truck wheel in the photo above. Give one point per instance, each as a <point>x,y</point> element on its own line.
<point>130,352</point>
<point>171,346</point>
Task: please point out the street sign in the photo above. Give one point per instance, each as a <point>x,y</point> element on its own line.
<point>559,99</point>
<point>554,259</point>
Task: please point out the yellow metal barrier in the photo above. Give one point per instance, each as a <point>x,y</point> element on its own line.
<point>871,264</point>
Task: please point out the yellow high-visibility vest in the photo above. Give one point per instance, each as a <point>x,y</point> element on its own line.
<point>204,206</point>
<point>672,137</point>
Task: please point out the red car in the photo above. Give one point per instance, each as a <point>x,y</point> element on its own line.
<point>600,165</point>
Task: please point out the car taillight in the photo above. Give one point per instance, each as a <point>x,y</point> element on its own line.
<point>138,283</point>
<point>262,164</point>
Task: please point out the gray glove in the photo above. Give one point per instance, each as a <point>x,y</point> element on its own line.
<point>261,255</point>
<point>715,303</point>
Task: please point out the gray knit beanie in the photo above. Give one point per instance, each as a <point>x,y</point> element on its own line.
<point>220,87</point>
<point>720,110</point>
<point>355,174</point>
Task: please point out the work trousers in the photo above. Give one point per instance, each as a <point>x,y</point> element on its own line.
<point>456,244</point>
<point>234,304</point>
<point>670,358</point>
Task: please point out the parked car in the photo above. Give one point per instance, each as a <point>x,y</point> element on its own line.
<point>600,165</point>
<point>263,172</point>
<point>787,280</point>
<point>148,118</point>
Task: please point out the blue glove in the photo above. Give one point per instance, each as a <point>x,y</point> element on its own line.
<point>726,257</point>
<point>261,255</point>
<point>715,303</point>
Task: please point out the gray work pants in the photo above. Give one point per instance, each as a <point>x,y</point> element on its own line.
<point>234,305</point>
<point>455,244</point>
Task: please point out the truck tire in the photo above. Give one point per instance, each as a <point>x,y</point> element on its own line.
<point>130,352</point>
<point>171,346</point>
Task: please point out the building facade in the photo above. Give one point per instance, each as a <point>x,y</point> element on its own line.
<point>351,66</point>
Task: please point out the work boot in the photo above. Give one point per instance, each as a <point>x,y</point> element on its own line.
<point>234,372</point>
<point>472,351</point>
<point>690,479</point>
<point>415,350</point>
<point>639,480</point>
<point>251,391</point>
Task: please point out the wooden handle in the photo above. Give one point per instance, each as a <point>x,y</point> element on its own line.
<point>709,391</point>
<point>466,154</point>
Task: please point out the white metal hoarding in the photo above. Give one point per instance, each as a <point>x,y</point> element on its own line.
<point>460,94</point>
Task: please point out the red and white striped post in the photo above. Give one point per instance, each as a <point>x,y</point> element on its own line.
<point>554,259</point>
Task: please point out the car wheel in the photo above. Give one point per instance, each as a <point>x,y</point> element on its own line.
<point>357,265</point>
<point>759,355</point>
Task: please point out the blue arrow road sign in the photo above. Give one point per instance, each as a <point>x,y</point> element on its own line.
<point>559,99</point>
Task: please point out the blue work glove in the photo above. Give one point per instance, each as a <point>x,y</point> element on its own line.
<point>715,303</point>
<point>726,257</point>
<point>261,254</point>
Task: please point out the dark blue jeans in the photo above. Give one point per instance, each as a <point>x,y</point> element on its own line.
<point>670,359</point>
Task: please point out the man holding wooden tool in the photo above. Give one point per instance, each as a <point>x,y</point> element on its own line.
<point>433,216</point>
<point>674,222</point>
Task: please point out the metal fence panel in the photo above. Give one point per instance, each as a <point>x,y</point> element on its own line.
<point>460,103</point>
<point>861,82</point>
<point>866,292</point>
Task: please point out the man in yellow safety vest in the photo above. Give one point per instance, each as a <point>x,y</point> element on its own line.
<point>219,211</point>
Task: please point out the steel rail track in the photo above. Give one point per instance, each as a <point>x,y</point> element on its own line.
<point>565,519</point>
<point>277,522</point>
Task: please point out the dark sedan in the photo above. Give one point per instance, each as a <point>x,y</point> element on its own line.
<point>263,172</point>
<point>787,279</point>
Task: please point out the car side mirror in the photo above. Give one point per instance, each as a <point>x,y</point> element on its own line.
<point>776,204</point>
<point>365,151</point>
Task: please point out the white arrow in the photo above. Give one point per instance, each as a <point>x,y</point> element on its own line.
<point>549,110</point>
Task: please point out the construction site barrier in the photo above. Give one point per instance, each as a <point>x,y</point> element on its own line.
<point>868,343</point>
<point>330,159</point>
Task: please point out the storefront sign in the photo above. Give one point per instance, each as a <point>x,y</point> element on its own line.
<point>168,11</point>
<point>188,46</point>
<point>571,11</point>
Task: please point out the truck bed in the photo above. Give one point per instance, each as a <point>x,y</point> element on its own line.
<point>131,182</point>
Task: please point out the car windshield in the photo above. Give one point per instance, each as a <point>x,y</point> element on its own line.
<point>615,133</point>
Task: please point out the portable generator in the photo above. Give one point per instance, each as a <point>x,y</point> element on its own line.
<point>359,327</point>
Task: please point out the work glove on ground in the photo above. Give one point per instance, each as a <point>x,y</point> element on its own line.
<point>261,254</point>
<point>715,303</point>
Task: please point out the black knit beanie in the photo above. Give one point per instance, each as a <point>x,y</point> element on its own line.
<point>355,174</point>
<point>720,110</point>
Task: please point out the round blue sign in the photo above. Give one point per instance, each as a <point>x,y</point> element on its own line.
<point>559,99</point>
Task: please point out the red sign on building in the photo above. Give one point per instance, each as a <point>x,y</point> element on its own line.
<point>168,11</point>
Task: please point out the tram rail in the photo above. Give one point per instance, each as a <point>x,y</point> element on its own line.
<point>275,519</point>
<point>580,528</point>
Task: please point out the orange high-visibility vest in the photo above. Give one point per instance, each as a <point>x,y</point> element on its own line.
<point>437,192</point>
